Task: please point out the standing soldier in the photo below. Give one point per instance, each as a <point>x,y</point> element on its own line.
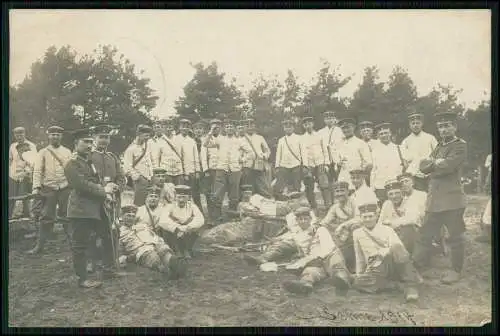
<point>109,169</point>
<point>209,157</point>
<point>167,155</point>
<point>288,161</point>
<point>228,169</point>
<point>256,166</point>
<point>50,183</point>
<point>240,128</point>
<point>330,135</point>
<point>416,147</point>
<point>315,168</point>
<point>387,161</point>
<point>199,130</point>
<point>138,163</point>
<point>366,134</point>
<point>190,160</point>
<point>352,152</point>
<point>86,210</point>
<point>20,171</point>
<point>446,198</point>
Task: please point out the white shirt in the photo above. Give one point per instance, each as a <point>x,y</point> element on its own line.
<point>231,151</point>
<point>330,139</point>
<point>386,164</point>
<point>365,247</point>
<point>189,154</point>
<point>410,211</point>
<point>362,193</point>
<point>143,217</point>
<point>315,244</point>
<point>415,148</point>
<point>209,156</point>
<point>260,145</point>
<point>48,171</point>
<point>312,150</point>
<point>357,155</point>
<point>285,158</point>
<point>165,157</point>
<point>16,164</point>
<point>145,166</point>
<point>172,216</point>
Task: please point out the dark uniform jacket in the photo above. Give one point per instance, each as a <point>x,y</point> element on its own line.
<point>445,187</point>
<point>87,196</point>
<point>107,164</point>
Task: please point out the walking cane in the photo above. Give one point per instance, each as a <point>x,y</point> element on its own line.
<point>110,204</point>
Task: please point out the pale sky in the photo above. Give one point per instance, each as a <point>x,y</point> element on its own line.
<point>435,46</point>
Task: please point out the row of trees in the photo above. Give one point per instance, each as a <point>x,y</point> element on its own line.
<point>104,86</point>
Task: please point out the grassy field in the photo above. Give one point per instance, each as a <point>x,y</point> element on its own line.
<point>221,290</point>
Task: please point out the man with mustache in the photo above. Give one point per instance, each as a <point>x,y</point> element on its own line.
<point>50,183</point>
<point>20,171</point>
<point>86,210</point>
<point>446,200</point>
<point>417,146</point>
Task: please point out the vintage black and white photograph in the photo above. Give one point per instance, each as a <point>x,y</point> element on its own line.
<point>259,168</point>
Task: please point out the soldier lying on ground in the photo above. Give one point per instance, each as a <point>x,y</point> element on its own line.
<point>143,246</point>
<point>319,257</point>
<point>180,223</point>
<point>259,218</point>
<point>381,257</point>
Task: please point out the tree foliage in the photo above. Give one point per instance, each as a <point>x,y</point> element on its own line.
<point>368,100</point>
<point>207,95</point>
<point>78,92</point>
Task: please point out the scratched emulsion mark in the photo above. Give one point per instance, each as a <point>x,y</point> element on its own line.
<point>148,50</point>
<point>346,315</point>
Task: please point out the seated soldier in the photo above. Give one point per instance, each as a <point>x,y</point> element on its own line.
<point>319,256</point>
<point>143,246</point>
<point>404,215</point>
<point>380,255</point>
<point>419,198</point>
<point>341,219</point>
<point>167,189</point>
<point>149,212</point>
<point>180,222</point>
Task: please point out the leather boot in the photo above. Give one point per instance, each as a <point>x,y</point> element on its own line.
<point>41,240</point>
<point>327,198</point>
<point>177,267</point>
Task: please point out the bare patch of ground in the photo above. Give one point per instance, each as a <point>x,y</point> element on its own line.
<point>222,290</point>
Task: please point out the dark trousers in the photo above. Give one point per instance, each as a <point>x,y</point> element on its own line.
<point>381,195</point>
<point>82,230</point>
<point>20,188</point>
<point>317,174</point>
<point>408,234</point>
<point>431,229</point>
<point>175,180</point>
<point>226,181</point>
<point>259,179</point>
<point>286,177</point>
<point>52,199</point>
<point>141,191</point>
<point>180,245</point>
<point>194,183</point>
<point>421,184</point>
<point>206,186</point>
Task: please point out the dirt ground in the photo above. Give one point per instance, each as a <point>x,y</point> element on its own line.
<point>221,290</point>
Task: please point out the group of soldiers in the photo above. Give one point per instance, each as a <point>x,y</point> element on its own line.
<point>386,203</point>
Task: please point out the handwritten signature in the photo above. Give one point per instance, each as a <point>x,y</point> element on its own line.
<point>372,316</point>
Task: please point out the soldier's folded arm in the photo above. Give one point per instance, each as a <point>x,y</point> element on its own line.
<point>166,223</point>
<point>210,142</point>
<point>358,252</point>
<point>197,221</point>
<point>452,162</point>
<point>79,182</point>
